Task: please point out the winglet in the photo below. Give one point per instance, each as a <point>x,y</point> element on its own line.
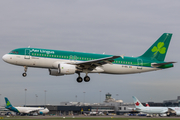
<point>122,56</point>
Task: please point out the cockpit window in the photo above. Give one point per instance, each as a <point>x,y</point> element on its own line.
<point>14,52</point>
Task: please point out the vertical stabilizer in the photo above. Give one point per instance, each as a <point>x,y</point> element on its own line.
<point>159,49</point>
<point>8,104</point>
<point>137,102</point>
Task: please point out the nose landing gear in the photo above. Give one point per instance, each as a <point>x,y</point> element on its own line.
<point>25,70</point>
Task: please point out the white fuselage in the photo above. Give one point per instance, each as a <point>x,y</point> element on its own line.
<point>32,109</point>
<point>153,110</point>
<point>42,62</point>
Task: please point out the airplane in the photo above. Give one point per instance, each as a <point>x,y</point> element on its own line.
<point>150,110</point>
<point>155,110</point>
<point>61,63</point>
<point>25,110</point>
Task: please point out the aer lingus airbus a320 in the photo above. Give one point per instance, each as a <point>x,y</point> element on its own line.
<point>69,62</point>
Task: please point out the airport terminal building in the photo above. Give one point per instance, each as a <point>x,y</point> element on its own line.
<point>110,106</point>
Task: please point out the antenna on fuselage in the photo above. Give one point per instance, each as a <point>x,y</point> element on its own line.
<point>29,46</point>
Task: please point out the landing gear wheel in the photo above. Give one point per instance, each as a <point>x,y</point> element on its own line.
<point>25,70</point>
<point>24,74</point>
<point>86,78</point>
<point>79,79</point>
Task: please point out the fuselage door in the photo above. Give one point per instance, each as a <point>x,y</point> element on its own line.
<point>27,54</point>
<point>139,63</point>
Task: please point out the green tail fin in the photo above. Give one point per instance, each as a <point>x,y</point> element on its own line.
<point>159,49</point>
<point>8,104</point>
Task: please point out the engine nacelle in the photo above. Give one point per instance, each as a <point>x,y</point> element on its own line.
<point>66,68</point>
<point>177,112</point>
<point>54,72</point>
<point>62,69</point>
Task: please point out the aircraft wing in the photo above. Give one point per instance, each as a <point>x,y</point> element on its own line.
<point>90,65</point>
<point>165,111</point>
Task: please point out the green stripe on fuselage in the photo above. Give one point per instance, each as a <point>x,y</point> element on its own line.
<point>81,56</point>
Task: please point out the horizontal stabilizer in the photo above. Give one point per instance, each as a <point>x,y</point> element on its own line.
<point>160,64</point>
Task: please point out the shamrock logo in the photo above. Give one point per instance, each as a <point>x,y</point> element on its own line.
<point>159,48</point>
<point>8,103</point>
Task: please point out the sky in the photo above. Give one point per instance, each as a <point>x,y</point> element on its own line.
<point>115,27</point>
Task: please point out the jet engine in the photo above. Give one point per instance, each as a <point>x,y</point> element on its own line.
<point>54,72</point>
<point>62,69</point>
<point>177,112</point>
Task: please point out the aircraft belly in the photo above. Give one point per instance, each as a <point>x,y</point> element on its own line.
<point>125,69</point>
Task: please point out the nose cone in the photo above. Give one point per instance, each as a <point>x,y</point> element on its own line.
<point>5,57</point>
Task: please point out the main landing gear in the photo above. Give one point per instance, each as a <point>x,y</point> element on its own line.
<point>86,78</point>
<point>25,70</point>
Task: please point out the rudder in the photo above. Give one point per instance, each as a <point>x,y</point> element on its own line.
<point>159,49</point>
<point>137,103</point>
<point>8,104</point>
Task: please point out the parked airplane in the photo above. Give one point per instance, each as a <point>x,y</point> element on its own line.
<point>25,110</point>
<point>68,62</point>
<point>155,110</point>
<point>150,110</point>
